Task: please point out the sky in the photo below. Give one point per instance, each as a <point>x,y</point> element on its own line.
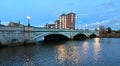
<point>88,12</point>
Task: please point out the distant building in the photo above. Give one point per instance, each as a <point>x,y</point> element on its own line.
<point>57,24</point>
<point>14,24</point>
<point>63,21</point>
<point>50,26</point>
<point>71,20</point>
<point>66,21</point>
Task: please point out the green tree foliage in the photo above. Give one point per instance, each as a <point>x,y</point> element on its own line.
<point>109,30</point>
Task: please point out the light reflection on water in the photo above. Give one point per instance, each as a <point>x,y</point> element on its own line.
<point>85,47</point>
<point>68,55</point>
<point>91,52</point>
<point>97,48</point>
<point>61,52</point>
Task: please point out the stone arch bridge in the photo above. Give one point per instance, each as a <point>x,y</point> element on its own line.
<point>49,34</point>
<point>16,35</point>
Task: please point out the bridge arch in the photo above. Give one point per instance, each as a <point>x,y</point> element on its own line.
<point>54,37</point>
<point>93,36</point>
<point>79,37</point>
<point>50,35</point>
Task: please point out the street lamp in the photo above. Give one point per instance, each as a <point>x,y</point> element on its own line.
<point>98,26</point>
<point>86,26</point>
<point>28,17</point>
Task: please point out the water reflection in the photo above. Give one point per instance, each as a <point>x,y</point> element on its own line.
<point>85,47</point>
<point>73,55</point>
<point>68,55</point>
<point>61,51</point>
<point>97,48</point>
<point>93,52</point>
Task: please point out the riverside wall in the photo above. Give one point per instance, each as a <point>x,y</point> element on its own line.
<point>12,36</point>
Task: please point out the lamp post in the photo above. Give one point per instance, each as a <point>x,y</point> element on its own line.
<point>98,28</point>
<point>28,17</point>
<point>86,28</point>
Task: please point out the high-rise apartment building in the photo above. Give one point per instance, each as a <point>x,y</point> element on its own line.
<point>63,21</point>
<point>67,21</point>
<point>71,20</point>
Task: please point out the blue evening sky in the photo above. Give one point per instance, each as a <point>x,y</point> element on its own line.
<point>90,12</point>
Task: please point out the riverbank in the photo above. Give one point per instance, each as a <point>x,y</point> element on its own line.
<point>111,35</point>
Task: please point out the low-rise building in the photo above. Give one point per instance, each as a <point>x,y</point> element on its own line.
<point>50,26</point>
<point>15,24</point>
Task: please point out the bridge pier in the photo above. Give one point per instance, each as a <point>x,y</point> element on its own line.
<point>71,35</point>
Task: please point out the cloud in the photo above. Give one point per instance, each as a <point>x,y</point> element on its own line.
<point>4,23</point>
<point>107,12</point>
<point>114,23</point>
<point>110,4</point>
<point>107,8</point>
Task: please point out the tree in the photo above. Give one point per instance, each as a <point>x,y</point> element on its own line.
<point>109,30</point>
<point>101,29</point>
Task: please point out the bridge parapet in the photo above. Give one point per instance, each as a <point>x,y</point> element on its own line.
<point>48,29</point>
<point>6,28</point>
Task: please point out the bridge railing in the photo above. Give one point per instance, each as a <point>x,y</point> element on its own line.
<point>63,30</point>
<point>49,29</point>
<point>6,28</point>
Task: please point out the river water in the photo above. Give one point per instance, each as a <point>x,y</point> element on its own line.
<point>90,52</point>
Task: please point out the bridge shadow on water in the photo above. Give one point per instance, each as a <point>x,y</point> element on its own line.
<point>56,39</point>
<point>51,43</point>
<point>56,42</point>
